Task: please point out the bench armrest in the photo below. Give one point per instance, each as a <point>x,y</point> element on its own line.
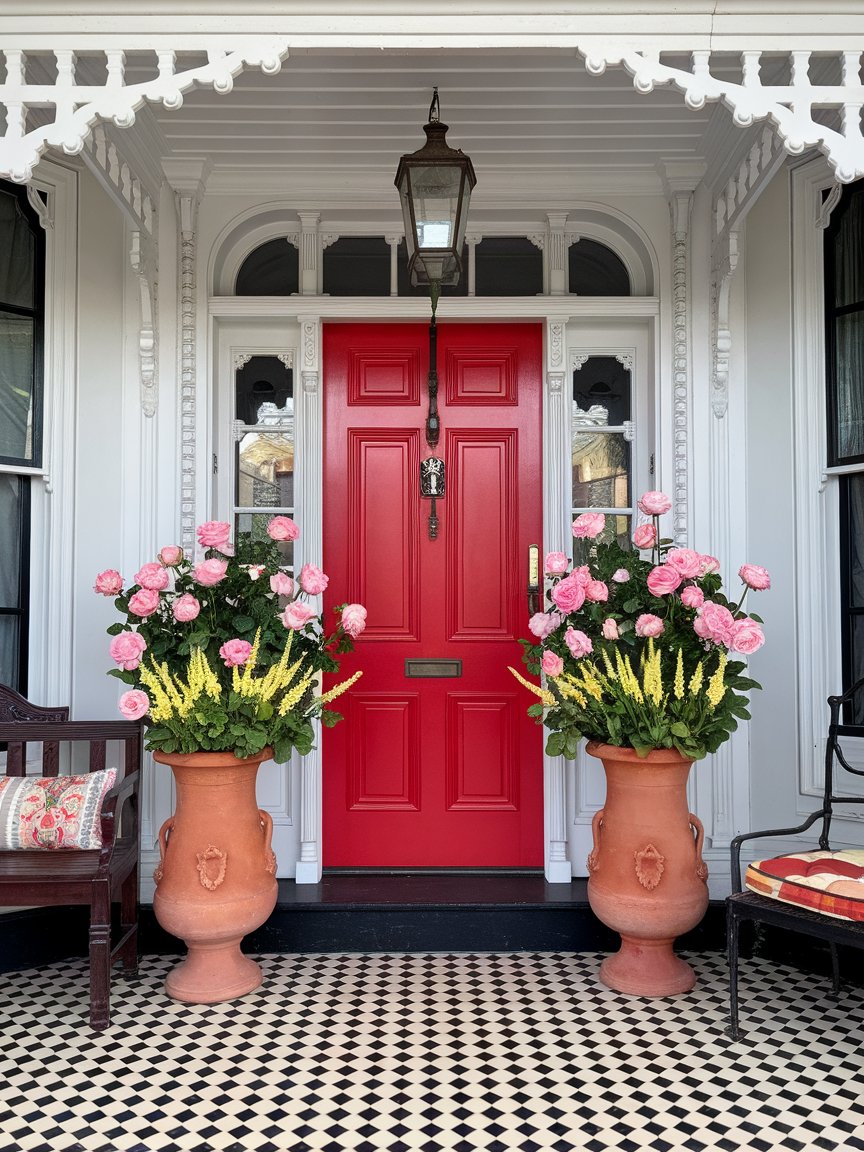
<point>735,845</point>
<point>115,800</point>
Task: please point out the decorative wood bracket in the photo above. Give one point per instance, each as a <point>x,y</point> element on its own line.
<point>142,256</point>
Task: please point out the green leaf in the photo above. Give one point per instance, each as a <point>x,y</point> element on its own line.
<point>680,729</point>
<point>555,744</point>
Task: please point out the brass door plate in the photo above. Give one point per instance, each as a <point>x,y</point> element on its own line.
<point>435,667</point>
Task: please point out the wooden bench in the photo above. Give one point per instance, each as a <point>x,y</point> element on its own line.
<point>69,876</point>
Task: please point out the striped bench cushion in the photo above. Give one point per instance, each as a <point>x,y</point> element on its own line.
<point>828,882</point>
<point>53,811</point>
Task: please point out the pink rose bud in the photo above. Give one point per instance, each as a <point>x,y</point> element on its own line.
<point>589,525</point>
<point>755,577</point>
<point>610,629</point>
<point>710,565</point>
<point>645,536</point>
<point>552,664</point>
<point>621,576</point>
<point>542,623</point>
<point>235,652</point>
<point>144,603</point>
<point>152,576</point>
<point>126,649</point>
<point>170,555</point>
<point>747,636</point>
<point>578,643</point>
<point>556,563</point>
<point>569,594</point>
<point>685,561</point>
<point>214,534</point>
<point>597,591</point>
<point>296,615</point>
<point>649,625</point>
<point>210,572</point>
<point>282,528</point>
<point>186,608</point>
<point>692,596</point>
<point>281,584</point>
<point>134,704</point>
<point>108,583</point>
<point>655,503</point>
<point>663,580</point>
<point>353,619</point>
<point>312,580</point>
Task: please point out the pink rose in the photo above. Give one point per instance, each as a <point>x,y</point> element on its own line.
<point>296,615</point>
<point>710,565</point>
<point>542,623</point>
<point>312,580</point>
<point>152,576</point>
<point>747,636</point>
<point>281,584</point>
<point>755,577</point>
<point>663,580</point>
<point>551,664</point>
<point>649,625</point>
<point>692,596</point>
<point>578,643</point>
<point>655,503</point>
<point>144,603</point>
<point>353,619</point>
<point>235,652</point>
<point>108,583</point>
<point>186,608</point>
<point>569,594</point>
<point>715,622</point>
<point>556,563</point>
<point>170,555</point>
<point>210,572</point>
<point>645,536</point>
<point>597,591</point>
<point>610,629</point>
<point>134,704</point>
<point>214,534</point>
<point>589,525</point>
<point>282,528</point>
<point>126,649</point>
<point>620,575</point>
<point>685,561</point>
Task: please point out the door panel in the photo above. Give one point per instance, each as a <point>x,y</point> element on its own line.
<point>433,769</point>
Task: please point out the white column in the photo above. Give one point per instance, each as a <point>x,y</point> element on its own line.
<point>556,253</point>
<point>309,254</point>
<point>472,242</point>
<point>394,242</point>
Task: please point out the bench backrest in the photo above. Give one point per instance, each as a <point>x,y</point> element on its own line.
<point>850,705</point>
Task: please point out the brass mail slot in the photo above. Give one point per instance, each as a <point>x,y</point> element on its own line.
<point>427,668</point>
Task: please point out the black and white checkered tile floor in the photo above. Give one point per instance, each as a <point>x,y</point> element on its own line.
<point>394,1053</point>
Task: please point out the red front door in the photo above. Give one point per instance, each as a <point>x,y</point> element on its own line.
<point>436,763</point>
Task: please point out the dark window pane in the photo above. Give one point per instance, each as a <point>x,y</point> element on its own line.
<point>849,384</point>
<point>271,270</point>
<point>357,266</point>
<point>856,671</point>
<point>854,518</point>
<point>11,499</point>
<point>596,270</point>
<point>849,250</point>
<point>14,548</point>
<point>264,391</point>
<point>17,391</point>
<point>265,470</point>
<point>601,470</point>
<point>10,651</point>
<point>601,392</point>
<point>17,255</point>
<point>508,266</point>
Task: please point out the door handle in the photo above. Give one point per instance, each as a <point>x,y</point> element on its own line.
<point>533,579</point>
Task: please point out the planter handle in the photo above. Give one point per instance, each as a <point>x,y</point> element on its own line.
<point>267,829</point>
<point>594,854</point>
<point>163,844</point>
<point>699,828</point>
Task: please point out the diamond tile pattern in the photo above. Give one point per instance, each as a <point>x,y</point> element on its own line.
<point>514,1052</point>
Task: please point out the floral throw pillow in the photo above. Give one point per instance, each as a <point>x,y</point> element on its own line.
<point>53,811</point>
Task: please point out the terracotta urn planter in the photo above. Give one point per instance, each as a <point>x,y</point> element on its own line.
<point>647,879</point>
<point>216,879</point>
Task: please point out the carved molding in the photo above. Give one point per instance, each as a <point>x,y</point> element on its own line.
<point>828,205</point>
<point>555,344</point>
<point>43,208</point>
<point>725,263</point>
<point>625,359</point>
<point>241,359</point>
<point>143,258</point>
<point>124,185</point>
<point>578,360</point>
<point>680,205</point>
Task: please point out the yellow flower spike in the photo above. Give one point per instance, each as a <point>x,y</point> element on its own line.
<point>679,676</point>
<point>716,689</point>
<point>235,679</point>
<point>292,698</point>
<point>696,679</point>
<point>610,671</point>
<point>338,690</point>
<point>547,698</point>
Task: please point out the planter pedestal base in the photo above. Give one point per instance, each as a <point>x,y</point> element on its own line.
<point>647,968</point>
<point>212,973</point>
